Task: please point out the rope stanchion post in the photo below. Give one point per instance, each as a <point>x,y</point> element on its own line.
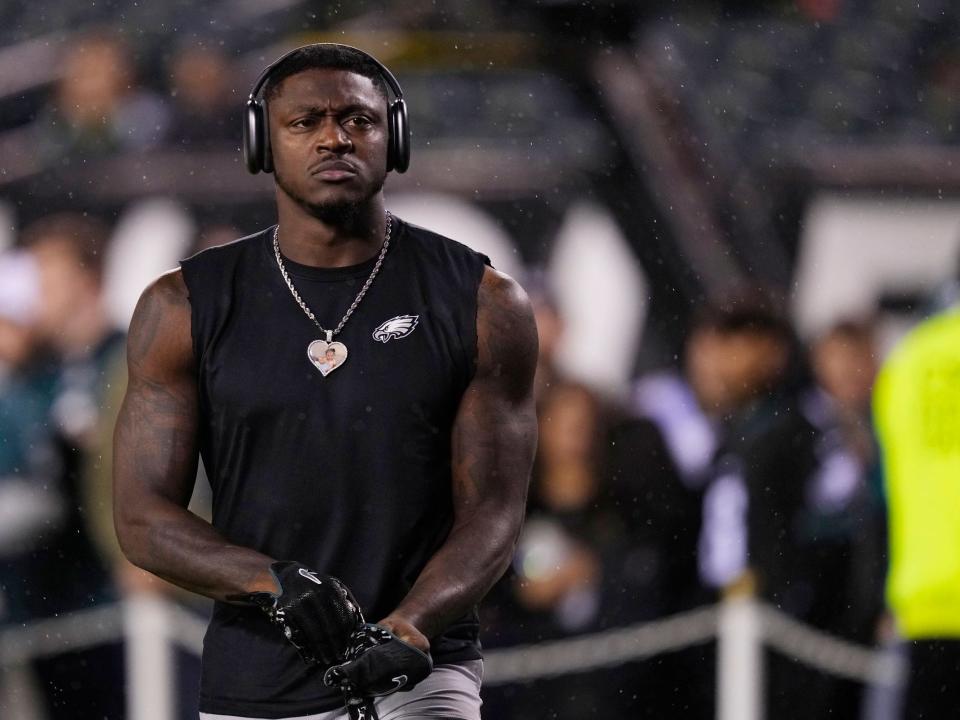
<point>149,659</point>
<point>740,657</point>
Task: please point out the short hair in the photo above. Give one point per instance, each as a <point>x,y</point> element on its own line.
<point>850,330</point>
<point>745,310</point>
<point>325,56</point>
<point>85,236</point>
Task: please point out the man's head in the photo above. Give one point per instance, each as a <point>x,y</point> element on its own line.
<point>328,118</point>
<point>331,354</point>
<point>96,76</point>
<point>200,78</point>
<point>737,350</point>
<point>845,363</point>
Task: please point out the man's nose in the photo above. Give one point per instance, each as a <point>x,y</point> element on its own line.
<point>332,137</point>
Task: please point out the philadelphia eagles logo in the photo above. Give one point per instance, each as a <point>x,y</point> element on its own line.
<point>396,328</point>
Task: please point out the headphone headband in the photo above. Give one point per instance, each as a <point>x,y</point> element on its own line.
<point>384,72</point>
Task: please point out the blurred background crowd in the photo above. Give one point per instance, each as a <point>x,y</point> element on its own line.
<point>726,213</point>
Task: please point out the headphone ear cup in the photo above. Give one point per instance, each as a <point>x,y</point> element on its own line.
<point>253,136</point>
<point>266,152</point>
<point>399,146</point>
<point>391,137</point>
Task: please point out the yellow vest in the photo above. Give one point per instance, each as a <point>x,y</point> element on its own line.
<point>917,410</point>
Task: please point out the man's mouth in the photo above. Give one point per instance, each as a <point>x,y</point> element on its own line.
<point>333,170</point>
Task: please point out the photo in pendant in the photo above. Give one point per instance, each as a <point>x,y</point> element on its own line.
<point>326,357</point>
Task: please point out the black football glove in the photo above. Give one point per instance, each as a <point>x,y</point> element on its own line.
<point>378,663</point>
<point>318,613</point>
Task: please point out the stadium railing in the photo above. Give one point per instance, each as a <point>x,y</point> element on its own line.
<point>152,628</point>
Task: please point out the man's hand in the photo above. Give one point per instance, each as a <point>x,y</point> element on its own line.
<point>379,663</point>
<point>404,629</point>
<point>318,613</point>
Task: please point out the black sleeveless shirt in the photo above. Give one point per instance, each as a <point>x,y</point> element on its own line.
<point>350,473</point>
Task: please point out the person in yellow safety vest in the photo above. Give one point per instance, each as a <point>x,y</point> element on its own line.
<point>917,409</point>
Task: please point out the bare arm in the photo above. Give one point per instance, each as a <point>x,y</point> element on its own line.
<point>155,458</point>
<point>494,440</point>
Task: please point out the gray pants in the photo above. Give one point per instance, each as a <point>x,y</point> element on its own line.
<point>451,692</point>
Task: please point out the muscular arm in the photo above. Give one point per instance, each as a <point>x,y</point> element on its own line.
<point>155,458</point>
<point>494,440</point>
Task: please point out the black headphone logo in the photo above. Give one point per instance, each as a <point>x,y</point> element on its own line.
<point>256,135</point>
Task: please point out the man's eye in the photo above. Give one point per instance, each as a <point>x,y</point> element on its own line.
<point>359,121</point>
<point>304,122</point>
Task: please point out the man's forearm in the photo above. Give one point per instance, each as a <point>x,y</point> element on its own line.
<point>182,548</point>
<point>461,572</point>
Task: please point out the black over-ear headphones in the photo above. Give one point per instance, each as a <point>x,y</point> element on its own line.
<point>256,134</point>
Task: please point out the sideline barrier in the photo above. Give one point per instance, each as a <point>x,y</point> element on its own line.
<point>153,626</point>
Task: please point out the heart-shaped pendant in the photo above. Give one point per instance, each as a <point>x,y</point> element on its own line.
<point>327,356</point>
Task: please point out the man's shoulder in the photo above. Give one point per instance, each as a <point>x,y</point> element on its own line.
<point>434,244</point>
<point>204,271</point>
<point>222,253</point>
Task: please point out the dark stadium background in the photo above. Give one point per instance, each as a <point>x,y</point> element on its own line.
<point>632,162</point>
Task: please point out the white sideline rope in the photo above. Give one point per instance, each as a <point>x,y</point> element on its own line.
<point>522,663</point>
<point>598,650</point>
<point>87,628</point>
<point>826,652</point>
<point>53,636</point>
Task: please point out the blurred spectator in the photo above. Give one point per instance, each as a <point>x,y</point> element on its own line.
<point>560,581</point>
<point>66,571</point>
<point>777,510</point>
<point>97,108</point>
<point>846,492</point>
<point>562,514</point>
<point>845,365</point>
<point>737,357</point>
<point>917,405</point>
<point>202,99</point>
<point>29,503</point>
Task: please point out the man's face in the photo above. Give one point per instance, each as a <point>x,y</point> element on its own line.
<point>728,369</point>
<point>846,367</point>
<point>328,134</point>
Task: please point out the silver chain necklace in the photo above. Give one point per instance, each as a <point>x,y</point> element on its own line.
<point>327,355</point>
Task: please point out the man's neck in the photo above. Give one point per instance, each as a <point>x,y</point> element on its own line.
<point>309,240</point>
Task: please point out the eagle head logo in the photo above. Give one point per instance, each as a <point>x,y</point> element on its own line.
<point>395,328</point>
